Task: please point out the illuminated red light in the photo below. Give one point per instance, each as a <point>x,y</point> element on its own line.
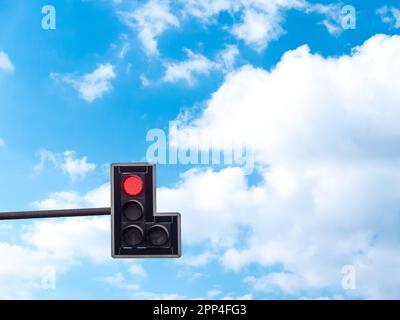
<point>132,185</point>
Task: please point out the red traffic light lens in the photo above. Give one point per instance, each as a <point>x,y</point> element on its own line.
<point>132,185</point>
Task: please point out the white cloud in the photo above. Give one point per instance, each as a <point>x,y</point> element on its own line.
<point>207,10</point>
<point>197,260</point>
<point>212,294</point>
<point>260,22</point>
<point>324,132</point>
<point>328,165</point>
<point>98,197</point>
<point>148,295</point>
<point>255,22</point>
<point>247,296</point>
<point>135,292</point>
<point>226,194</point>
<point>137,270</point>
<point>91,86</point>
<point>227,57</point>
<point>2,142</point>
<point>50,245</point>
<point>124,50</point>
<point>71,238</point>
<point>20,271</point>
<point>76,167</point>
<point>66,162</point>
<point>196,64</point>
<point>5,62</point>
<point>190,276</point>
<point>144,80</point>
<point>151,19</point>
<point>332,14</point>
<point>57,245</point>
<point>119,281</point>
<point>273,282</point>
<point>390,15</point>
<point>258,29</point>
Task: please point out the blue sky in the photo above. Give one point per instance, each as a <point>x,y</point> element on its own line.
<point>77,98</point>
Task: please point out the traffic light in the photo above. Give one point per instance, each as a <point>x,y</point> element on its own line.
<point>137,231</point>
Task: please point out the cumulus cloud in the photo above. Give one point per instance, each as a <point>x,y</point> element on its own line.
<point>225,192</point>
<point>90,86</point>
<point>63,239</point>
<point>151,20</point>
<point>55,246</point>
<point>98,197</point>
<point>325,133</point>
<point>50,246</point>
<point>5,62</point>
<point>66,162</point>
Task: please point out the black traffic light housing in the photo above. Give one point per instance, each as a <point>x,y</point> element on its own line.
<point>137,230</point>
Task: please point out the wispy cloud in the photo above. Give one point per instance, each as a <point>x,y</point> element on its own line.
<point>227,57</point>
<point>194,65</point>
<point>151,20</point>
<point>390,15</point>
<point>91,86</point>
<point>119,281</point>
<point>2,142</point>
<point>67,162</point>
<point>256,23</point>
<point>137,270</point>
<point>332,16</point>
<point>198,260</point>
<point>5,62</point>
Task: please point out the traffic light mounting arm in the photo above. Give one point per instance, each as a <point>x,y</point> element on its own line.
<point>55,213</point>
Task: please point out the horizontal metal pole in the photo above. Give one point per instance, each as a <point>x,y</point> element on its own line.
<point>55,213</point>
